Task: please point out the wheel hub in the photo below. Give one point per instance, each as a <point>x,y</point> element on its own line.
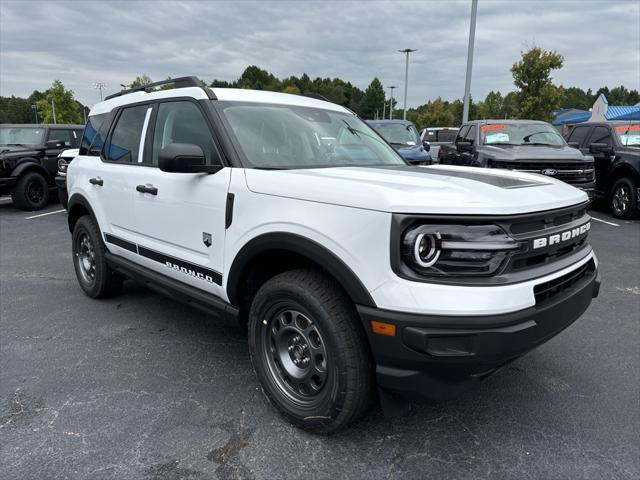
<point>86,258</point>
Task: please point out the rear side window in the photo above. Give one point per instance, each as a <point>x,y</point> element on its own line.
<point>182,122</point>
<point>446,135</point>
<point>578,135</point>
<point>124,145</point>
<point>61,136</point>
<point>93,136</point>
<point>601,135</point>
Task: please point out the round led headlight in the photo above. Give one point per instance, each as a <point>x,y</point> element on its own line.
<point>62,165</point>
<point>426,249</point>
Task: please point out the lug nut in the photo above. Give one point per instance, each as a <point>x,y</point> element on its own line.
<point>290,348</point>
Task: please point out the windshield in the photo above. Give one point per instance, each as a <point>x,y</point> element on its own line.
<point>21,135</point>
<point>287,136</point>
<point>520,134</point>
<point>629,135</point>
<point>398,134</point>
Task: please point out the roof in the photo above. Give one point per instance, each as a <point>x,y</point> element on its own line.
<point>617,112</point>
<point>504,121</point>
<point>41,125</point>
<point>389,122</point>
<point>222,94</point>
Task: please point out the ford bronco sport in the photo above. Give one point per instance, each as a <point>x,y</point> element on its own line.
<point>352,270</point>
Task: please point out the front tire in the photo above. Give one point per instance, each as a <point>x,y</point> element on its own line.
<point>309,351</point>
<point>31,192</point>
<point>94,275</point>
<point>623,200</point>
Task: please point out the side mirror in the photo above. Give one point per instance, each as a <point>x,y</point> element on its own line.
<point>464,147</point>
<point>184,158</point>
<point>54,144</point>
<point>426,145</point>
<point>600,148</point>
<point>574,144</point>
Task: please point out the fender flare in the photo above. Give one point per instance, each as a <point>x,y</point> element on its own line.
<point>75,201</point>
<point>31,164</point>
<point>301,246</point>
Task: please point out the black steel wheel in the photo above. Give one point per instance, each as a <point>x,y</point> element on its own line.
<point>310,351</point>
<point>623,198</point>
<point>31,192</point>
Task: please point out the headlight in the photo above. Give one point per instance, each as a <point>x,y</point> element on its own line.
<point>457,250</point>
<point>62,165</point>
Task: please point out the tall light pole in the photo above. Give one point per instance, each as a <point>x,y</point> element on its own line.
<point>100,86</point>
<point>406,51</point>
<point>391,103</point>
<point>35,109</point>
<point>467,82</point>
<point>384,109</point>
<point>53,107</point>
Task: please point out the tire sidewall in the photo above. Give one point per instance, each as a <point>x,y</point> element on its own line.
<point>633,196</point>
<point>85,226</point>
<point>297,298</point>
<point>21,192</point>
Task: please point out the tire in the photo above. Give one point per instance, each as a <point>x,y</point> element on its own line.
<point>31,192</point>
<point>94,275</point>
<point>302,316</point>
<point>623,200</point>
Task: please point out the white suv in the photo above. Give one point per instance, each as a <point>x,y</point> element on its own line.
<point>353,272</point>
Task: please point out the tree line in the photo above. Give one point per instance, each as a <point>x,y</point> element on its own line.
<point>535,96</point>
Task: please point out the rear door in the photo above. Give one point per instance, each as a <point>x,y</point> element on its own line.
<point>603,160</point>
<point>453,154</point>
<point>180,228</point>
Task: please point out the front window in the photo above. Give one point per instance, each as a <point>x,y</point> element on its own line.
<point>398,134</point>
<point>21,136</point>
<point>520,134</point>
<point>629,135</point>
<point>287,136</point>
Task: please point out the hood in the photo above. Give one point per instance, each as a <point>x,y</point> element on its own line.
<point>413,152</point>
<point>11,150</point>
<point>404,189</point>
<point>532,152</point>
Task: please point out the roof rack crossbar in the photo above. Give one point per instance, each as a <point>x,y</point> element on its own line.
<point>180,82</point>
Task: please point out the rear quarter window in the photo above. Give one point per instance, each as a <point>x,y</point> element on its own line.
<point>94,135</point>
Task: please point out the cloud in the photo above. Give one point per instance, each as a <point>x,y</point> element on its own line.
<point>82,42</point>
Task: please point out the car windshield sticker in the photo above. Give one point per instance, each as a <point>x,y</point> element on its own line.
<point>496,137</point>
<point>627,128</point>
<point>495,126</point>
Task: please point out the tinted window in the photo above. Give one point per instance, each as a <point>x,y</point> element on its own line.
<point>124,145</point>
<point>446,135</point>
<point>461,133</point>
<point>470,136</point>
<point>578,135</point>
<point>601,135</point>
<point>76,135</point>
<point>92,140</point>
<point>61,136</point>
<point>182,122</point>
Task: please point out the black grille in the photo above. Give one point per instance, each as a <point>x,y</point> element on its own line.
<point>547,291</point>
<point>570,172</point>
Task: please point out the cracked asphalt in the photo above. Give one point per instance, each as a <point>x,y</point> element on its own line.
<point>140,387</point>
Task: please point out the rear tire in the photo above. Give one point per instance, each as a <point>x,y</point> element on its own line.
<point>624,199</point>
<point>309,351</point>
<point>31,192</point>
<point>94,275</point>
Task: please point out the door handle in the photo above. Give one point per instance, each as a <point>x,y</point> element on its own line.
<point>96,181</point>
<point>147,189</point>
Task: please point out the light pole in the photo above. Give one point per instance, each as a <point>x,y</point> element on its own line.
<point>35,109</point>
<point>467,81</point>
<point>100,86</point>
<point>391,103</point>
<point>406,51</point>
<point>384,109</point>
<point>53,107</point>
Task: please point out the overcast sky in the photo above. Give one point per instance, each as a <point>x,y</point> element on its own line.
<point>82,42</point>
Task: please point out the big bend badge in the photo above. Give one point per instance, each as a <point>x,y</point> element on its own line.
<point>206,239</point>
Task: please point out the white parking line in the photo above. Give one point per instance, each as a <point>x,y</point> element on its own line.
<point>604,221</point>
<point>43,214</point>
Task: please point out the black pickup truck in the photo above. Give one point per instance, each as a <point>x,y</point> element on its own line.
<point>520,145</point>
<point>615,147</point>
<point>29,160</point>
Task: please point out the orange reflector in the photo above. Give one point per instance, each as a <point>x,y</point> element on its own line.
<point>381,328</point>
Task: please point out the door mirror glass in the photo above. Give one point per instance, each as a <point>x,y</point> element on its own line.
<point>426,145</point>
<point>184,158</point>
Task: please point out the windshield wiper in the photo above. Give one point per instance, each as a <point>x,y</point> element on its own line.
<point>538,143</point>
<point>15,144</point>
<point>355,132</point>
<point>502,143</point>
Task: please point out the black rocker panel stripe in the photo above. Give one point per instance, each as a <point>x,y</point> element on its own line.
<point>132,247</point>
<point>197,271</point>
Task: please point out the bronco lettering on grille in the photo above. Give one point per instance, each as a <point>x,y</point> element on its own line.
<point>561,237</point>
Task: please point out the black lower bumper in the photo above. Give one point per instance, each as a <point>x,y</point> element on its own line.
<point>439,357</point>
<point>6,184</point>
<point>63,195</point>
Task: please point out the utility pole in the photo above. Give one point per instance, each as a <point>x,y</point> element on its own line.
<point>53,106</point>
<point>391,103</point>
<point>35,109</point>
<point>407,51</point>
<point>384,109</point>
<point>100,86</point>
<point>84,114</point>
<point>467,82</point>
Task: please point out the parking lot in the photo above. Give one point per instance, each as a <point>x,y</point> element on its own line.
<point>140,387</point>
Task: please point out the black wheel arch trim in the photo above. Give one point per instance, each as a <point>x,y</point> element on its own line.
<point>29,164</point>
<point>300,245</point>
<point>75,200</point>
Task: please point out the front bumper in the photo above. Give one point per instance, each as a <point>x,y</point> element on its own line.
<point>437,357</point>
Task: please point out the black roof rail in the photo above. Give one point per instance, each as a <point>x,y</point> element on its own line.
<point>180,82</point>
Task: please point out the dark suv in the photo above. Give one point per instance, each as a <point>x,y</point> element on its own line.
<point>615,147</point>
<point>521,145</point>
<point>29,160</point>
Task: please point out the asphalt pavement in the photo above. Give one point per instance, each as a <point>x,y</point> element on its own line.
<point>140,387</point>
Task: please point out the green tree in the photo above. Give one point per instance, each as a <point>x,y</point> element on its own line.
<point>438,113</point>
<point>574,97</point>
<point>372,100</point>
<point>537,95</point>
<point>492,106</point>
<point>292,89</point>
<point>66,107</point>
<point>140,81</point>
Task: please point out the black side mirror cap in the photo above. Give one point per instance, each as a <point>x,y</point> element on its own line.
<point>464,147</point>
<point>600,148</point>
<point>55,144</point>
<point>426,145</point>
<point>184,158</point>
